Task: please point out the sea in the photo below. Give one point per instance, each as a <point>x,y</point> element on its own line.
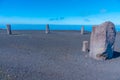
<point>52,27</point>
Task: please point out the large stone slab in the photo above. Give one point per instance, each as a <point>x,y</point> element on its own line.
<point>102,41</point>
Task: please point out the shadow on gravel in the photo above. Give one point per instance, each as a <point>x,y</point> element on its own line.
<point>116,54</point>
<point>16,34</point>
<point>86,32</point>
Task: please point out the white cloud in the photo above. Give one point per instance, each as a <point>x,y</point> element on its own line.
<point>103,10</point>
<point>93,19</point>
<point>114,17</point>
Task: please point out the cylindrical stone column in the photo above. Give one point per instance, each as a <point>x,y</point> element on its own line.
<point>82,30</point>
<point>85,47</point>
<point>47,29</point>
<point>9,29</point>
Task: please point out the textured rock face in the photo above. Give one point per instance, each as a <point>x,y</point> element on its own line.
<point>102,41</point>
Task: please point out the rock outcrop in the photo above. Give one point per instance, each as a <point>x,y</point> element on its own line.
<point>102,41</point>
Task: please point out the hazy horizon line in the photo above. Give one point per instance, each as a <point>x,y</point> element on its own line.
<point>46,24</point>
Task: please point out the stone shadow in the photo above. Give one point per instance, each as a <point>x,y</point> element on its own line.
<point>87,32</point>
<point>116,54</point>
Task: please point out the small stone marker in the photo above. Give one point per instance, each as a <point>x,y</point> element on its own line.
<point>85,47</point>
<point>47,29</point>
<point>102,41</point>
<point>82,30</point>
<point>9,29</point>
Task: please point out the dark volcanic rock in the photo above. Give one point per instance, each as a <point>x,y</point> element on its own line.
<point>102,41</point>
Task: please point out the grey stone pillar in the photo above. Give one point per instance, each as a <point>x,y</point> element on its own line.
<point>47,31</point>
<point>85,47</point>
<point>9,29</point>
<point>82,30</point>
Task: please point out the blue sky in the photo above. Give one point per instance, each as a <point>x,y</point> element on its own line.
<point>59,11</point>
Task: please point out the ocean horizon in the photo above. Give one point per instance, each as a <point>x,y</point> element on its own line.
<point>52,27</point>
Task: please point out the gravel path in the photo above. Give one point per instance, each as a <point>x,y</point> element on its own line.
<point>34,55</point>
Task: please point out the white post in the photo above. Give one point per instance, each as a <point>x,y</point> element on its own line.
<point>82,30</point>
<point>85,47</point>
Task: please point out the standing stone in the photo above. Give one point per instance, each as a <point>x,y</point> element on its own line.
<point>102,41</point>
<point>85,47</point>
<point>9,29</point>
<point>82,30</point>
<point>47,29</point>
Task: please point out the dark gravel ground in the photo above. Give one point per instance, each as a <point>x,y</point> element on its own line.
<point>34,55</point>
